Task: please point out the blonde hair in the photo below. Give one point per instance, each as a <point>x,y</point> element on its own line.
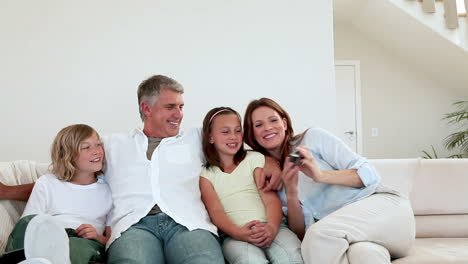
<point>65,149</point>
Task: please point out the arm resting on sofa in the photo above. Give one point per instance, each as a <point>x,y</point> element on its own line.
<point>18,192</point>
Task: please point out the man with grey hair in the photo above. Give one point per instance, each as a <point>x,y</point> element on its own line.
<point>153,173</point>
<point>157,215</point>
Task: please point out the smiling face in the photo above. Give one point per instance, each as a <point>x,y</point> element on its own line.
<point>164,117</point>
<point>226,135</point>
<point>90,155</point>
<point>269,129</point>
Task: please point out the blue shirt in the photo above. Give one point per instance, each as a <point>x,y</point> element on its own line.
<point>320,199</point>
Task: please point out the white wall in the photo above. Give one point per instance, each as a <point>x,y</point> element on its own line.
<point>65,62</point>
<point>402,102</point>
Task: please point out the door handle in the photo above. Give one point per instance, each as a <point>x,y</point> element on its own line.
<point>350,135</point>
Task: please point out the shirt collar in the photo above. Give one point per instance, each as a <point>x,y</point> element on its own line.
<point>138,132</point>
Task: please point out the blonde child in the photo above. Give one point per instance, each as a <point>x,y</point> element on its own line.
<point>249,218</point>
<point>65,217</point>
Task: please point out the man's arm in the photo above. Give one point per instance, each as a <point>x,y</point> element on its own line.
<point>17,192</point>
<point>270,180</point>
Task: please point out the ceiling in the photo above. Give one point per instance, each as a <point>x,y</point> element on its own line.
<point>408,38</point>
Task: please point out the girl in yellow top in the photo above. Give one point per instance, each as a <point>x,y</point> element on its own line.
<point>250,219</point>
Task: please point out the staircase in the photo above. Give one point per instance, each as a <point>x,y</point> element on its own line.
<point>442,16</point>
<point>450,8</point>
<point>427,34</point>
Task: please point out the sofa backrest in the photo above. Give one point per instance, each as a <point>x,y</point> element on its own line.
<point>441,187</point>
<point>440,198</point>
<point>397,173</point>
<point>438,191</point>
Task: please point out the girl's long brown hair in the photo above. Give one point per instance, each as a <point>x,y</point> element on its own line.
<point>211,155</point>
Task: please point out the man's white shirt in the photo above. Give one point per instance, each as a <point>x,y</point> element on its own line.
<point>170,180</point>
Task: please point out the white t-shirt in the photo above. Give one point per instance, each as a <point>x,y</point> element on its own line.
<point>71,204</point>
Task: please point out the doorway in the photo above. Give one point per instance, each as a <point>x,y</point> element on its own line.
<point>348,103</point>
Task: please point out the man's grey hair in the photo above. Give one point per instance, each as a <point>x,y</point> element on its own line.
<point>150,89</point>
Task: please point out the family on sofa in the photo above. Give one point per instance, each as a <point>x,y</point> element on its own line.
<point>166,209</point>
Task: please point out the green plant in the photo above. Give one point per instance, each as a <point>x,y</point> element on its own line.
<point>428,156</point>
<point>459,139</point>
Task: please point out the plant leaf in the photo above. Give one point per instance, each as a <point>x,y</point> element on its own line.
<point>427,155</point>
<point>435,154</point>
<point>457,139</point>
<point>460,114</point>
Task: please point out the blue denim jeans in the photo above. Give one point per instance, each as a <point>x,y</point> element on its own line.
<point>159,239</point>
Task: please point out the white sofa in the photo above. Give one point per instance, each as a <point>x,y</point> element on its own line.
<point>438,190</point>
<point>15,173</point>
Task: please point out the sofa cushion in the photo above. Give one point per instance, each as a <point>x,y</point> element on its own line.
<point>440,187</point>
<point>397,174</point>
<point>437,251</point>
<point>15,173</point>
<point>441,226</point>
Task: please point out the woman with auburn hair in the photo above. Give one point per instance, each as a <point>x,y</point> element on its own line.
<point>333,197</point>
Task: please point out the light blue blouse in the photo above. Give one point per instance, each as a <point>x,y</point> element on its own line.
<point>320,199</point>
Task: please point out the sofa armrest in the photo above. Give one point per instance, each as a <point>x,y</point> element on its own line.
<point>16,173</point>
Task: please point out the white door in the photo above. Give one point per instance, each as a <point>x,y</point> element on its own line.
<point>348,103</point>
